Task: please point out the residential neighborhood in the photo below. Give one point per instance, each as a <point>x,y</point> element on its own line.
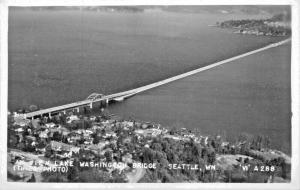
<point>110,149</point>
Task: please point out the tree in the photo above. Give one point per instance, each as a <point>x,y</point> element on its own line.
<point>97,119</point>
<point>165,145</point>
<point>53,177</point>
<point>73,173</point>
<point>57,136</point>
<point>29,147</point>
<point>48,152</point>
<point>63,119</point>
<point>12,140</point>
<point>86,124</point>
<point>32,179</point>
<point>25,133</point>
<point>281,162</point>
<point>173,131</point>
<point>103,132</point>
<point>204,154</point>
<point>134,139</point>
<point>213,144</point>
<point>85,111</point>
<point>117,177</point>
<point>94,175</point>
<point>196,151</point>
<point>157,146</point>
<point>96,139</point>
<point>211,157</point>
<point>147,155</point>
<point>108,156</point>
<point>21,146</point>
<point>130,147</point>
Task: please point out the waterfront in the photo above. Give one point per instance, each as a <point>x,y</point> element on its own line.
<point>53,63</point>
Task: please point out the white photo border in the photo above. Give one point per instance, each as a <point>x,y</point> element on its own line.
<point>4,8</point>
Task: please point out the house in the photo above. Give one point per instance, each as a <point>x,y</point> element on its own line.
<point>63,130</point>
<point>105,122</point>
<point>87,154</point>
<point>127,123</point>
<point>40,148</point>
<point>72,118</point>
<point>88,141</point>
<point>144,126</point>
<point>88,131</point>
<point>33,143</point>
<point>44,134</point>
<point>96,126</point>
<point>127,158</point>
<point>65,133</point>
<point>21,121</point>
<point>74,149</point>
<point>32,138</point>
<point>86,136</point>
<point>155,131</point>
<point>53,130</point>
<point>93,118</point>
<point>97,148</point>
<point>58,146</point>
<point>225,144</point>
<point>110,134</point>
<point>138,124</point>
<point>148,132</point>
<point>19,130</point>
<point>50,125</point>
<point>75,137</point>
<point>79,131</point>
<point>63,150</point>
<point>139,131</point>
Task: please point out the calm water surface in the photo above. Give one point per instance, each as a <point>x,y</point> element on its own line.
<point>250,95</point>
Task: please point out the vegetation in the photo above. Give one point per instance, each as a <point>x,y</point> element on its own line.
<point>102,139</point>
<point>278,25</point>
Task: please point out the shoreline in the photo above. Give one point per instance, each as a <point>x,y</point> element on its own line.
<point>220,154</point>
<point>278,25</point>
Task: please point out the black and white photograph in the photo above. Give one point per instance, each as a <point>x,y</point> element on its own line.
<point>149,94</point>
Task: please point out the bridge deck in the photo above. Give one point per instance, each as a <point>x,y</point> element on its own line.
<point>58,108</point>
<point>132,92</point>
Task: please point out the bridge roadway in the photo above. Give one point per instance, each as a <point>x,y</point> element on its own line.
<point>122,95</point>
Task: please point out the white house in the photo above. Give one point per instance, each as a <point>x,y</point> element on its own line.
<point>72,118</point>
<point>50,125</point>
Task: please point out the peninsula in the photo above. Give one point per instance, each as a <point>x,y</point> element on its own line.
<point>278,25</point>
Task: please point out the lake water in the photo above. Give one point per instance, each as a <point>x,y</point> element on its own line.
<point>58,57</point>
<point>250,95</point>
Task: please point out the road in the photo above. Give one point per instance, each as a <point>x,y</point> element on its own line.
<point>136,175</point>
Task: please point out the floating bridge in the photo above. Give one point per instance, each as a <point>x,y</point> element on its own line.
<point>100,98</point>
<point>88,102</point>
